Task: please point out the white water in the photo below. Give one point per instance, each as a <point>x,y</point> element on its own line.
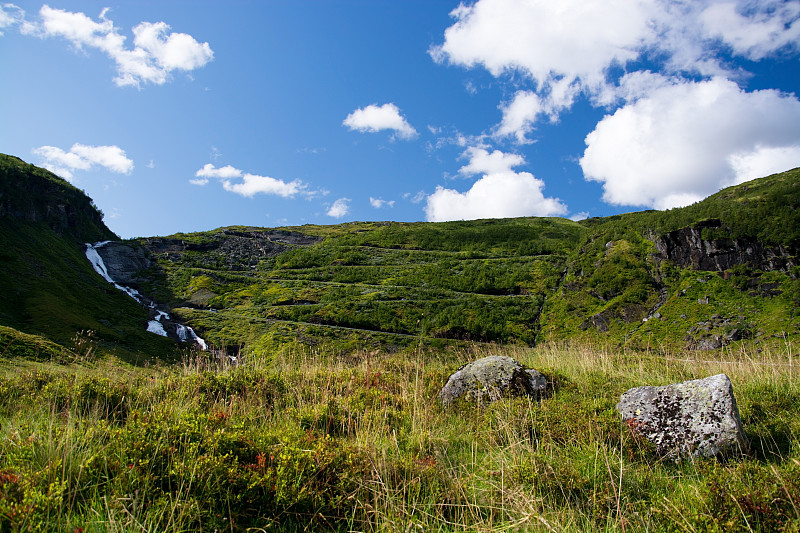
<point>100,268</point>
<point>185,333</point>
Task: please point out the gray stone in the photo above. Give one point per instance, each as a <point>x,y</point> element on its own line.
<point>123,260</point>
<point>491,378</point>
<point>687,249</point>
<point>696,418</point>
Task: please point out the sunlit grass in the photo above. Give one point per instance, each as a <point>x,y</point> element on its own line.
<point>310,440</point>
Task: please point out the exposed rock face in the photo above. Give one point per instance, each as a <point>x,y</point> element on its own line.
<point>233,248</point>
<point>717,332</point>
<point>695,418</point>
<point>491,378</point>
<point>56,203</point>
<point>687,248</point>
<point>123,260</point>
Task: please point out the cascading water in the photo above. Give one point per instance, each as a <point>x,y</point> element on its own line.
<point>185,333</point>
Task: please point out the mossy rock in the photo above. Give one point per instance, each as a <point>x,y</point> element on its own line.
<point>491,378</point>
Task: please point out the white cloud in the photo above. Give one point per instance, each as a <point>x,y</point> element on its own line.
<point>253,184</point>
<point>83,157</point>
<point>416,198</point>
<point>548,41</point>
<point>111,157</point>
<point>504,195</point>
<point>577,217</point>
<point>519,116</point>
<point>688,140</point>
<point>155,53</point>
<point>250,184</point>
<point>521,113</point>
<point>226,172</point>
<point>10,15</point>
<point>340,208</point>
<point>572,46</point>
<point>753,29</point>
<point>763,161</point>
<point>374,118</point>
<point>378,203</point>
<point>170,51</point>
<point>483,162</point>
<point>499,193</point>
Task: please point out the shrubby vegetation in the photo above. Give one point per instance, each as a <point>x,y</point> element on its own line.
<point>525,280</point>
<point>309,440</point>
<point>329,419</point>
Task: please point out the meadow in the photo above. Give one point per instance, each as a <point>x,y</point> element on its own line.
<point>309,439</point>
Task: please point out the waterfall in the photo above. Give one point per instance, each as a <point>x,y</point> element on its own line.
<point>185,333</point>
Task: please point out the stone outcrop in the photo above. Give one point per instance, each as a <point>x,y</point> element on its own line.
<point>123,260</point>
<point>696,418</point>
<point>717,332</point>
<point>236,249</point>
<point>687,248</point>
<point>33,195</point>
<point>491,378</point>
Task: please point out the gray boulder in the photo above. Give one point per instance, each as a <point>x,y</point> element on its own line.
<point>696,418</point>
<point>491,378</point>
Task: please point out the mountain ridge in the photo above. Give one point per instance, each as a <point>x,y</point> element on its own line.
<point>640,280</point>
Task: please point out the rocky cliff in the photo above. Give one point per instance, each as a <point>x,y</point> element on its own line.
<point>32,194</point>
<point>688,248</point>
<point>233,249</point>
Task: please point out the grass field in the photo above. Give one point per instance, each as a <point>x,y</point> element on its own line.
<point>307,440</point>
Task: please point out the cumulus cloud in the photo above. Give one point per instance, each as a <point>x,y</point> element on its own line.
<point>577,217</point>
<point>499,193</point>
<point>763,161</point>
<point>155,54</point>
<point>687,140</point>
<point>378,203</point>
<point>375,118</point>
<point>483,162</point>
<point>250,184</point>
<point>340,208</point>
<point>548,41</point>
<point>755,29</point>
<point>83,157</point>
<point>519,116</point>
<point>571,46</point>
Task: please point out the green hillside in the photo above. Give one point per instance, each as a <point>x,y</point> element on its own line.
<point>47,286</point>
<point>330,421</point>
<point>716,273</point>
<point>525,280</point>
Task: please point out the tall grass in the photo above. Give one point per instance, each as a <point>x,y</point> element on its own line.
<point>307,440</point>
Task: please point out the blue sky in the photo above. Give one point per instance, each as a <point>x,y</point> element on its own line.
<point>187,116</point>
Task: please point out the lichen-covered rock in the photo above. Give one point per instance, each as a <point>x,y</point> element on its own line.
<point>695,418</point>
<point>491,378</point>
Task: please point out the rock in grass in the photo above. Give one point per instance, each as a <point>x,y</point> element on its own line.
<point>695,418</point>
<point>491,378</point>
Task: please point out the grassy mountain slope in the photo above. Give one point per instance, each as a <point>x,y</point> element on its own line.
<point>299,439</point>
<point>47,286</point>
<point>626,279</point>
<point>714,273</point>
<point>621,277</point>
<point>458,281</point>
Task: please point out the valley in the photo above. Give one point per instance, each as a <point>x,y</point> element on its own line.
<point>312,401</point>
